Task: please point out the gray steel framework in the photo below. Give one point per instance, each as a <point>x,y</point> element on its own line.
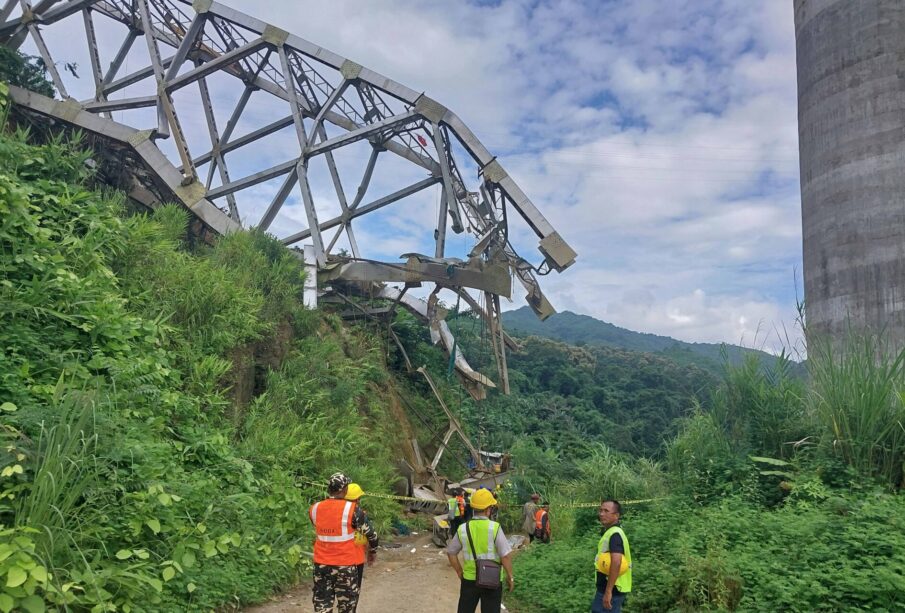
<point>329,102</point>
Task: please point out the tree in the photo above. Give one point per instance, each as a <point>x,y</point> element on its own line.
<point>24,71</point>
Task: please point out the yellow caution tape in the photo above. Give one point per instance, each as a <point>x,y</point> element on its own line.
<point>571,505</point>
<point>589,505</point>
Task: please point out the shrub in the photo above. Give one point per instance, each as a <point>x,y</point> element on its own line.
<point>760,406</point>
<point>123,486</point>
<point>857,398</point>
<point>700,460</point>
<point>24,71</point>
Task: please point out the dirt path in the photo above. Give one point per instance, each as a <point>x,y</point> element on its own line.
<point>415,576</point>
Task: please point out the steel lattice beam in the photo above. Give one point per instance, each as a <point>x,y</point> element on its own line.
<point>329,103</point>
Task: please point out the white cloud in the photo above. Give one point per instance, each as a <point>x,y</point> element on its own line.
<point>658,136</point>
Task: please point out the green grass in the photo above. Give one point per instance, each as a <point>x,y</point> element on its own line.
<point>856,396</point>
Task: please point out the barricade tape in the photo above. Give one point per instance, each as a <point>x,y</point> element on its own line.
<point>570,505</point>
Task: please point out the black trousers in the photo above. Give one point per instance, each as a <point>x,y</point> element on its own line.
<point>470,595</point>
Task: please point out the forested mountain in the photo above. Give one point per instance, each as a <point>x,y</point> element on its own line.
<point>578,329</point>
<point>571,396</point>
<point>567,398</point>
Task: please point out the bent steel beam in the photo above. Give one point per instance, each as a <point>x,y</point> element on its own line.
<point>166,183</point>
<point>305,117</point>
<point>319,85</point>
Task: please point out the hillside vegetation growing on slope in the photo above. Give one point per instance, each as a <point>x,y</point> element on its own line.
<point>778,495</point>
<point>166,405</point>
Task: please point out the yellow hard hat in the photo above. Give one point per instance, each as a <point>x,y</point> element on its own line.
<point>482,499</point>
<point>354,492</point>
<point>603,563</point>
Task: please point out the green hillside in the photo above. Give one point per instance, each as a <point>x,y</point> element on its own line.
<point>569,398</point>
<point>170,410</point>
<point>577,329</point>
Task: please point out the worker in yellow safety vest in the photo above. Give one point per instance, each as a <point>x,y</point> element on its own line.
<point>456,510</point>
<point>482,539</point>
<point>613,586</point>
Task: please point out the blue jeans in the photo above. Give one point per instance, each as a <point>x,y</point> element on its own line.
<point>597,603</point>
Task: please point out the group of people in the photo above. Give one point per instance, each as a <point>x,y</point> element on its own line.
<point>345,541</point>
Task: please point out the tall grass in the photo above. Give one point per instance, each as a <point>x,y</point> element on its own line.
<point>759,405</point>
<point>700,460</point>
<point>64,472</point>
<point>857,395</point>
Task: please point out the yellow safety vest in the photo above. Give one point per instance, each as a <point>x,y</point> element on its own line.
<point>624,582</point>
<point>484,540</point>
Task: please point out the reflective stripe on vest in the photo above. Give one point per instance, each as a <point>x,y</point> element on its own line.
<point>334,543</point>
<point>484,544</point>
<point>624,582</point>
<point>346,531</point>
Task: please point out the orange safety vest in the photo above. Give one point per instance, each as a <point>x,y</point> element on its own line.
<point>334,541</point>
<point>539,519</point>
<point>461,501</point>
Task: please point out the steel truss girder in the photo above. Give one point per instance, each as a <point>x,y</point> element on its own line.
<point>318,89</point>
<point>493,278</point>
<point>168,184</point>
<point>222,39</point>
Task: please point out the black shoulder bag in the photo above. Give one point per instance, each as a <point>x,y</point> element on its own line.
<point>487,572</point>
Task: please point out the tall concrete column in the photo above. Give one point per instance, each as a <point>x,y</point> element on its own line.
<point>851,125</point>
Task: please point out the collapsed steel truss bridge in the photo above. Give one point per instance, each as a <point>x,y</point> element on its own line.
<point>288,104</point>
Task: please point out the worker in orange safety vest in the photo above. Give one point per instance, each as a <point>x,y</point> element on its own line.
<point>542,524</point>
<point>336,555</point>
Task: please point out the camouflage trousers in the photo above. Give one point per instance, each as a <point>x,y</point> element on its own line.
<point>339,583</point>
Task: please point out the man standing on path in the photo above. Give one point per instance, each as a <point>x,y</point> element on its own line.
<point>612,587</point>
<point>528,512</point>
<point>336,556</point>
<point>489,543</point>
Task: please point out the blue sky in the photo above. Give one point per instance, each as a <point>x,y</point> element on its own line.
<point>658,136</point>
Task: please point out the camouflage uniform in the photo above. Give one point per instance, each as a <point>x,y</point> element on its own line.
<point>342,583</point>
<point>335,582</point>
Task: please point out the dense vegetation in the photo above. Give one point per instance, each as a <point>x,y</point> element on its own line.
<point>841,553</point>
<point>780,495</point>
<point>168,410</point>
<point>166,406</point>
<point>24,71</point>
<point>565,398</point>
